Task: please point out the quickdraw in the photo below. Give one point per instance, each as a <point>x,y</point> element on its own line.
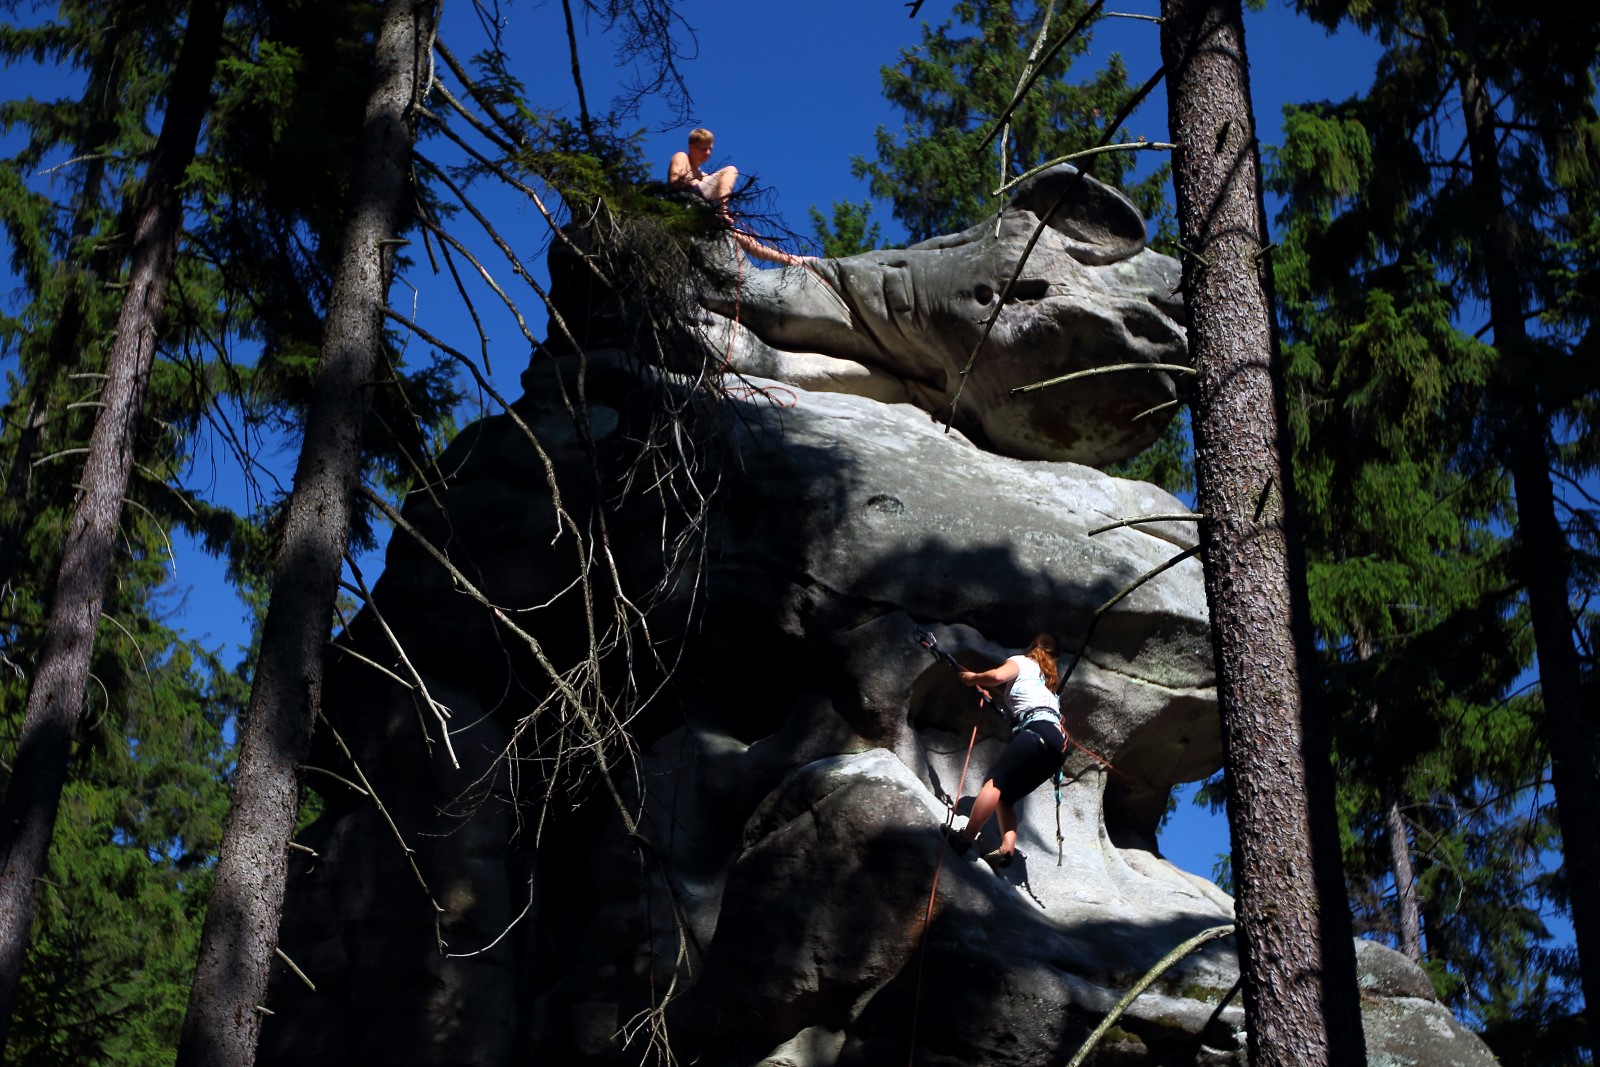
<point>926,639</point>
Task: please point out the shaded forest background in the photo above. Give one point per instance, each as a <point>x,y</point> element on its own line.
<point>1436,291</point>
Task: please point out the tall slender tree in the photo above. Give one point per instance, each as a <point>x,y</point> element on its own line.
<point>56,697</point>
<point>71,279</point>
<point>118,922</point>
<point>1489,107</point>
<point>1546,567</point>
<point>223,1022</point>
<point>1411,573</point>
<point>1297,956</point>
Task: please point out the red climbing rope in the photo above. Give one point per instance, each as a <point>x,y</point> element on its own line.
<point>1092,754</point>
<point>922,938</point>
<point>768,393</point>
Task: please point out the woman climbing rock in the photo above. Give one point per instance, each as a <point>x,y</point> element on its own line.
<point>1024,690</point>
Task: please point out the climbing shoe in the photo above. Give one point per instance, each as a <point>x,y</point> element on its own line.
<point>998,859</point>
<point>958,844</point>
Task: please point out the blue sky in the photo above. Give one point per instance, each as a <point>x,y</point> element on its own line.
<point>792,93</point>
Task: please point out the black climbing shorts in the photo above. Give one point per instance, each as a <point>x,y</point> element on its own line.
<point>1033,755</point>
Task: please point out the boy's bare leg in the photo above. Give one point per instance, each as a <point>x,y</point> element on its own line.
<point>722,183</point>
<point>760,251</point>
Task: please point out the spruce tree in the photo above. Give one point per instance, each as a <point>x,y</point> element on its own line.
<point>223,1024</point>
<point>849,231</point>
<point>56,696</point>
<point>119,920</point>
<point>958,81</point>
<point>1483,115</point>
<point>1411,581</point>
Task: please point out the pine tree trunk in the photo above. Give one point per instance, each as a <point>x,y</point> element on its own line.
<point>1297,954</point>
<point>223,1022</point>
<point>55,698</point>
<point>1545,558</point>
<point>1408,909</point>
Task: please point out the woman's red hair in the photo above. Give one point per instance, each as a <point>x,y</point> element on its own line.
<point>1043,652</point>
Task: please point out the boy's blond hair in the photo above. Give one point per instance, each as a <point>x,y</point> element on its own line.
<point>700,135</point>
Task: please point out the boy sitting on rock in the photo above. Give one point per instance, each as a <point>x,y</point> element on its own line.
<point>684,172</point>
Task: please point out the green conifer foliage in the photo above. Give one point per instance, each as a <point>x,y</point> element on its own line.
<point>118,921</point>
<point>958,81</point>
<point>1412,392</point>
<point>848,232</point>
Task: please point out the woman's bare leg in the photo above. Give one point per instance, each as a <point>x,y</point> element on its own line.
<point>983,808</point>
<point>1008,828</point>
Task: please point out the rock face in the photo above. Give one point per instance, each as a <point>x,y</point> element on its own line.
<point>902,324</point>
<point>769,881</point>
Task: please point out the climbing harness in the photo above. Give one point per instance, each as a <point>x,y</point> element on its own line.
<point>927,640</point>
<point>1085,749</point>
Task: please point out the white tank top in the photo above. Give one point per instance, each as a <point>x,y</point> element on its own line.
<point>1028,698</point>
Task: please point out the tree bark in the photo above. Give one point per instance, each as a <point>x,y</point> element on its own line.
<point>1545,557</point>
<point>1408,909</point>
<point>55,699</point>
<point>1297,954</point>
<point>223,1021</point>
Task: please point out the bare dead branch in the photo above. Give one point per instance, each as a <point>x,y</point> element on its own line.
<point>1144,519</point>
<point>1038,231</point>
<point>1055,50</point>
<point>1131,146</point>
<point>1170,368</point>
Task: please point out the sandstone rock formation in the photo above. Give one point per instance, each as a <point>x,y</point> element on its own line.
<point>902,324</point>
<point>792,769</point>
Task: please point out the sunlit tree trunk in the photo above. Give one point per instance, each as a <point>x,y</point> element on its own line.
<point>1297,956</point>
<point>55,698</point>
<point>1408,909</point>
<point>223,1022</point>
